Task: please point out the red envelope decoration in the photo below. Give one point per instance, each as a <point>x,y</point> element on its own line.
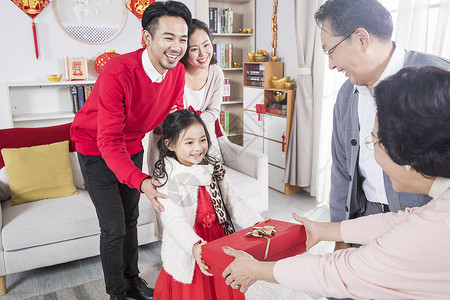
<point>32,8</point>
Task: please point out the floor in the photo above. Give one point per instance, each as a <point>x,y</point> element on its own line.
<point>41,281</point>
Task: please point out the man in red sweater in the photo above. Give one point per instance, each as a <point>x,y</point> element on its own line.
<point>132,95</point>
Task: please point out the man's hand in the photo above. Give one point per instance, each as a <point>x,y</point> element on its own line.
<point>312,230</point>
<point>148,187</point>
<point>173,109</point>
<point>197,251</point>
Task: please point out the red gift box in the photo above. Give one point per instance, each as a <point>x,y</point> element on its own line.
<point>289,240</point>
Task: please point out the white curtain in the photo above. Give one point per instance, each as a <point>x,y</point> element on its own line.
<point>424,25</point>
<point>302,165</point>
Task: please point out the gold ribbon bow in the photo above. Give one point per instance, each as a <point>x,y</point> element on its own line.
<point>263,232</point>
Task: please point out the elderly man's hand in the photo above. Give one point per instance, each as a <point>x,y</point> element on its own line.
<point>148,187</point>
<point>311,228</point>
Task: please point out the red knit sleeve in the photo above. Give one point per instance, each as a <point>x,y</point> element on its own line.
<point>111,137</point>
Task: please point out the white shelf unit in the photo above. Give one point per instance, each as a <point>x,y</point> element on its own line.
<point>36,104</point>
<point>264,132</point>
<point>244,16</point>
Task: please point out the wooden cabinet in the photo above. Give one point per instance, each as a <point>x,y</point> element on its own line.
<point>265,132</point>
<point>243,43</point>
<point>41,104</point>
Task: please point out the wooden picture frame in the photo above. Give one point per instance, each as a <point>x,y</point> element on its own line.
<point>76,68</point>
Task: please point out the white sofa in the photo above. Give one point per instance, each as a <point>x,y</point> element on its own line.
<point>53,231</point>
<point>248,172</point>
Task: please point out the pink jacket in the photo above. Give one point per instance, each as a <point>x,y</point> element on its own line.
<point>405,255</point>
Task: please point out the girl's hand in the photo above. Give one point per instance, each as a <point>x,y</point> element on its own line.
<point>312,230</point>
<point>197,251</point>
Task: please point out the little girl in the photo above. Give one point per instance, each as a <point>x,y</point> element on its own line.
<point>200,206</point>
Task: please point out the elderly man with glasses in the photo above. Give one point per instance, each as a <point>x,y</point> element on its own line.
<point>357,38</point>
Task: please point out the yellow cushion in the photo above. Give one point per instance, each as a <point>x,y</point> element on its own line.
<point>39,172</point>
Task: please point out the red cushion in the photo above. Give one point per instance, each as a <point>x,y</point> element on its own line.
<point>28,137</point>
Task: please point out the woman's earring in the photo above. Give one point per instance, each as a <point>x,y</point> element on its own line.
<point>407,167</point>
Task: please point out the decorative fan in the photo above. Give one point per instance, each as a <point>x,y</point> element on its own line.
<point>32,8</point>
<point>137,7</point>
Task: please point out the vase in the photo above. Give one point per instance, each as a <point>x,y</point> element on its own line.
<point>101,61</point>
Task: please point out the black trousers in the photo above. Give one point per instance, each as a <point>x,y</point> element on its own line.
<point>117,211</point>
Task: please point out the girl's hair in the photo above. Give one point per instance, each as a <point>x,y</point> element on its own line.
<point>197,24</point>
<point>174,124</point>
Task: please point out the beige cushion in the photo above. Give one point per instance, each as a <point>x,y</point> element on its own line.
<point>39,172</point>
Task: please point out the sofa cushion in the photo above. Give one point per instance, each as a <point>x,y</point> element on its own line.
<point>39,172</point>
<point>44,222</point>
<point>27,137</point>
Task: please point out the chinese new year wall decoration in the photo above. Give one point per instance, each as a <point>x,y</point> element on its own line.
<point>274,29</point>
<point>76,68</point>
<point>32,8</point>
<point>137,7</point>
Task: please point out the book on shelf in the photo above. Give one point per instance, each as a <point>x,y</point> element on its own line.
<point>255,83</point>
<point>276,105</point>
<point>225,121</point>
<point>224,55</point>
<point>276,111</point>
<point>74,96</point>
<point>230,20</point>
<point>255,78</point>
<point>221,20</point>
<point>226,95</point>
<point>87,91</point>
<point>230,55</point>
<point>255,73</point>
<point>80,95</point>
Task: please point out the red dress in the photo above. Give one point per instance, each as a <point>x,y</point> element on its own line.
<point>203,287</point>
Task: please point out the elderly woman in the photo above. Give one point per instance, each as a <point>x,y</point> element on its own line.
<point>405,254</point>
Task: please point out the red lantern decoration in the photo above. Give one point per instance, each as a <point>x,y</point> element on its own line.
<point>101,61</point>
<point>32,8</point>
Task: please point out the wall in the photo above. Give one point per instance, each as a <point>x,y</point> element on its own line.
<point>19,64</point>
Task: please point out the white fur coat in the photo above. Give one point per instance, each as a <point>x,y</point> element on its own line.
<point>179,213</point>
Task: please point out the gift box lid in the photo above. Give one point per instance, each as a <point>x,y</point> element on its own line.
<point>289,240</point>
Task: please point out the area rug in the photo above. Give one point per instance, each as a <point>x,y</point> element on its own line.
<point>95,290</point>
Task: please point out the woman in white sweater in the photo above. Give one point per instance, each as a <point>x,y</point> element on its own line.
<point>203,88</point>
<point>405,255</point>
<point>200,207</point>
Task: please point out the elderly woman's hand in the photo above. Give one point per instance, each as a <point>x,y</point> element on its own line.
<point>245,270</point>
<point>238,273</point>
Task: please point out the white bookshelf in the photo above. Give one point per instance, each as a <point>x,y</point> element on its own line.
<point>34,104</point>
<point>244,16</point>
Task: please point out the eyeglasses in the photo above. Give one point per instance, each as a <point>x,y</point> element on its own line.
<point>370,142</point>
<point>331,50</point>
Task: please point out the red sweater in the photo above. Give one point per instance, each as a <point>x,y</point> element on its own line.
<point>123,106</point>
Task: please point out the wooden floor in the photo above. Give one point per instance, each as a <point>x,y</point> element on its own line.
<point>41,281</point>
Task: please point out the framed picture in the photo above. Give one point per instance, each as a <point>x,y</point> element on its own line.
<point>76,68</point>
